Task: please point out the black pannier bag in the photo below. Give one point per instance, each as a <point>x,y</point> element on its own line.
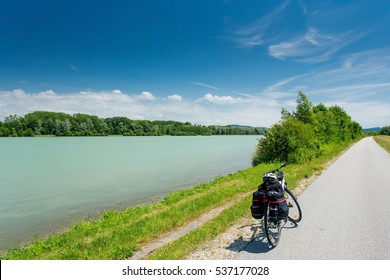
<point>278,210</point>
<point>274,190</point>
<point>257,207</point>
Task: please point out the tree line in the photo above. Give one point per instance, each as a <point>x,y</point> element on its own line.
<point>306,133</point>
<point>62,124</point>
<point>385,130</point>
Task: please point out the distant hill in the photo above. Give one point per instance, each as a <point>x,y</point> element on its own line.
<point>372,129</point>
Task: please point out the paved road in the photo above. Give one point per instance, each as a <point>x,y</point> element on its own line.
<point>346,212</point>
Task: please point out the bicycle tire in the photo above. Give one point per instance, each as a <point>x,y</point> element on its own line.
<point>296,215</point>
<point>273,237</point>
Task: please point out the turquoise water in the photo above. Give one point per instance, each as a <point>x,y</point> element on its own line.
<point>47,184</point>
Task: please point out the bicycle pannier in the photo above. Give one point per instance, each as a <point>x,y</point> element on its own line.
<point>278,210</point>
<point>257,208</point>
<point>273,212</point>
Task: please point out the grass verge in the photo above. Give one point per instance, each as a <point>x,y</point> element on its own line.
<point>383,141</point>
<point>118,234</point>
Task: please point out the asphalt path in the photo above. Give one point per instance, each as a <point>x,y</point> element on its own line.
<point>346,212</point>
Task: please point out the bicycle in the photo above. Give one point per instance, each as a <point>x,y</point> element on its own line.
<point>272,228</point>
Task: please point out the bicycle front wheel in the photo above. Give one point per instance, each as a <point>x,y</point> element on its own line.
<point>294,209</point>
<point>273,230</point>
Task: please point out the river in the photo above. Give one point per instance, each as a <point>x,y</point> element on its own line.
<point>49,183</point>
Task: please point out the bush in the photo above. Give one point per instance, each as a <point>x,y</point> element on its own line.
<point>305,134</point>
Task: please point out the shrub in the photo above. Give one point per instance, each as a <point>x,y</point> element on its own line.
<point>305,134</point>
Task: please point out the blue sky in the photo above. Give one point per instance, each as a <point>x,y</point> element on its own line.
<point>207,62</point>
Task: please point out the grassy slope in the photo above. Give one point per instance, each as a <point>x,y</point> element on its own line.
<point>383,141</point>
<point>119,233</point>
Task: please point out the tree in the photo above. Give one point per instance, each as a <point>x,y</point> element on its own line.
<point>305,134</point>
<point>4,131</point>
<point>290,140</point>
<point>304,112</point>
<point>385,130</point>
<point>15,125</point>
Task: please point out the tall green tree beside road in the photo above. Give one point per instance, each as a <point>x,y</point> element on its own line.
<point>306,133</point>
<point>385,130</point>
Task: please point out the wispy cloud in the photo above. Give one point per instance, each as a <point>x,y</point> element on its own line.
<point>313,46</point>
<point>355,83</point>
<point>354,89</point>
<point>359,70</point>
<point>311,41</point>
<point>254,33</point>
<point>369,66</point>
<point>245,94</point>
<point>74,68</point>
<point>281,83</point>
<point>204,85</point>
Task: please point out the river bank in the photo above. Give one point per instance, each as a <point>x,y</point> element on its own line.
<point>118,234</point>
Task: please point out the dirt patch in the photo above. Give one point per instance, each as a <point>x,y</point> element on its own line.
<point>228,244</point>
<point>179,232</point>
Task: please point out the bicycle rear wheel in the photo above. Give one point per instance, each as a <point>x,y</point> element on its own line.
<point>273,230</point>
<point>294,210</point>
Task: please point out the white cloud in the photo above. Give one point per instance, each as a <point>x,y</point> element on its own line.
<point>117,91</point>
<point>247,111</point>
<point>220,99</point>
<point>146,95</point>
<point>261,110</point>
<point>175,97</point>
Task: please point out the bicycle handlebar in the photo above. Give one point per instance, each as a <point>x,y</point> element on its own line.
<point>283,165</point>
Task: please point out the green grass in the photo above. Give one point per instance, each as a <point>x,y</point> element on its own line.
<point>117,234</point>
<point>182,247</point>
<point>383,141</point>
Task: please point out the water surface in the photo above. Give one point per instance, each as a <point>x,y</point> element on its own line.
<point>49,183</point>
